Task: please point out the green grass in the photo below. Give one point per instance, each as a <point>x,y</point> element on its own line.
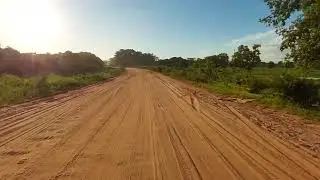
<point>14,89</point>
<point>237,83</point>
<point>230,89</point>
<point>269,99</point>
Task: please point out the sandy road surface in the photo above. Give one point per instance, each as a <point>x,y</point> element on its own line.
<point>141,125</point>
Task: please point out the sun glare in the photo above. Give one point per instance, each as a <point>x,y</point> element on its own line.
<point>33,22</point>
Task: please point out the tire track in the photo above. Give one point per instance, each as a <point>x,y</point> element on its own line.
<point>181,152</point>
<point>294,161</point>
<point>233,170</point>
<point>141,126</point>
<point>216,149</point>
<point>88,141</point>
<point>24,115</point>
<point>42,124</point>
<point>197,129</point>
<point>178,95</point>
<point>27,171</point>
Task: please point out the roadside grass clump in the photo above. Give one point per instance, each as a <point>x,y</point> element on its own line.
<point>257,85</point>
<point>301,91</point>
<point>15,89</point>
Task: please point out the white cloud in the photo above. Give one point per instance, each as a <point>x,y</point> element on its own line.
<point>270,44</point>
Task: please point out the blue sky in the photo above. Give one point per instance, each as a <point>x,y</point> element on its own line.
<point>189,28</point>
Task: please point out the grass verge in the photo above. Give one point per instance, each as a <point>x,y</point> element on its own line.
<point>14,89</point>
<point>269,99</point>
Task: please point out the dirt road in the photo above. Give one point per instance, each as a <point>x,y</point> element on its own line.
<point>141,125</point>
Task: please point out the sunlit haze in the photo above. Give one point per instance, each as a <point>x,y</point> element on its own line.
<point>190,28</point>
<point>33,25</point>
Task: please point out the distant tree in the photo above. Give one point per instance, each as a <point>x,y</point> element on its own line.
<point>176,62</point>
<point>263,64</point>
<point>271,64</point>
<point>280,64</point>
<point>79,62</point>
<point>221,60</point>
<point>132,58</point>
<point>288,64</point>
<point>191,59</point>
<point>246,58</point>
<point>301,34</point>
<point>24,64</point>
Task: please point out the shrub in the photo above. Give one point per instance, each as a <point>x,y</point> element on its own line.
<point>301,91</point>
<point>197,75</point>
<point>14,89</point>
<point>42,86</point>
<point>241,78</point>
<point>258,85</point>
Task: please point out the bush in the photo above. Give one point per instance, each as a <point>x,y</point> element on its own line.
<point>301,91</point>
<point>42,86</point>
<point>197,75</point>
<point>14,89</point>
<point>258,85</point>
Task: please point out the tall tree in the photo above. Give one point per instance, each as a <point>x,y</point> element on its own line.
<point>246,58</point>
<point>301,35</point>
<point>132,58</point>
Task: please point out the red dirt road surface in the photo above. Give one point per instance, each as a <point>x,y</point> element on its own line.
<point>141,125</point>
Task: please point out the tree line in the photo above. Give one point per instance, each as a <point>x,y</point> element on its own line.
<point>300,33</point>
<point>245,57</point>
<point>27,64</point>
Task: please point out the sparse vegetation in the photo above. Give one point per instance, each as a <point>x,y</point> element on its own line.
<point>27,76</point>
<point>15,89</point>
<point>281,84</point>
<point>278,86</point>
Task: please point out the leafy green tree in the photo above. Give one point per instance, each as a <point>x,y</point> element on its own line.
<point>221,60</point>
<point>301,35</point>
<point>132,58</point>
<point>246,58</point>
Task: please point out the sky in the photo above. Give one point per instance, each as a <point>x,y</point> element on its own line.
<point>167,28</point>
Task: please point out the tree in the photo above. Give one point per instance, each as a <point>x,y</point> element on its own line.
<point>176,62</point>
<point>24,64</point>
<point>221,60</point>
<point>271,64</point>
<point>246,58</point>
<point>132,58</point>
<point>302,35</point>
<point>280,64</point>
<point>288,64</point>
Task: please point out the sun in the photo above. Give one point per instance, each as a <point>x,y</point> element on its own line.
<point>34,22</point>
